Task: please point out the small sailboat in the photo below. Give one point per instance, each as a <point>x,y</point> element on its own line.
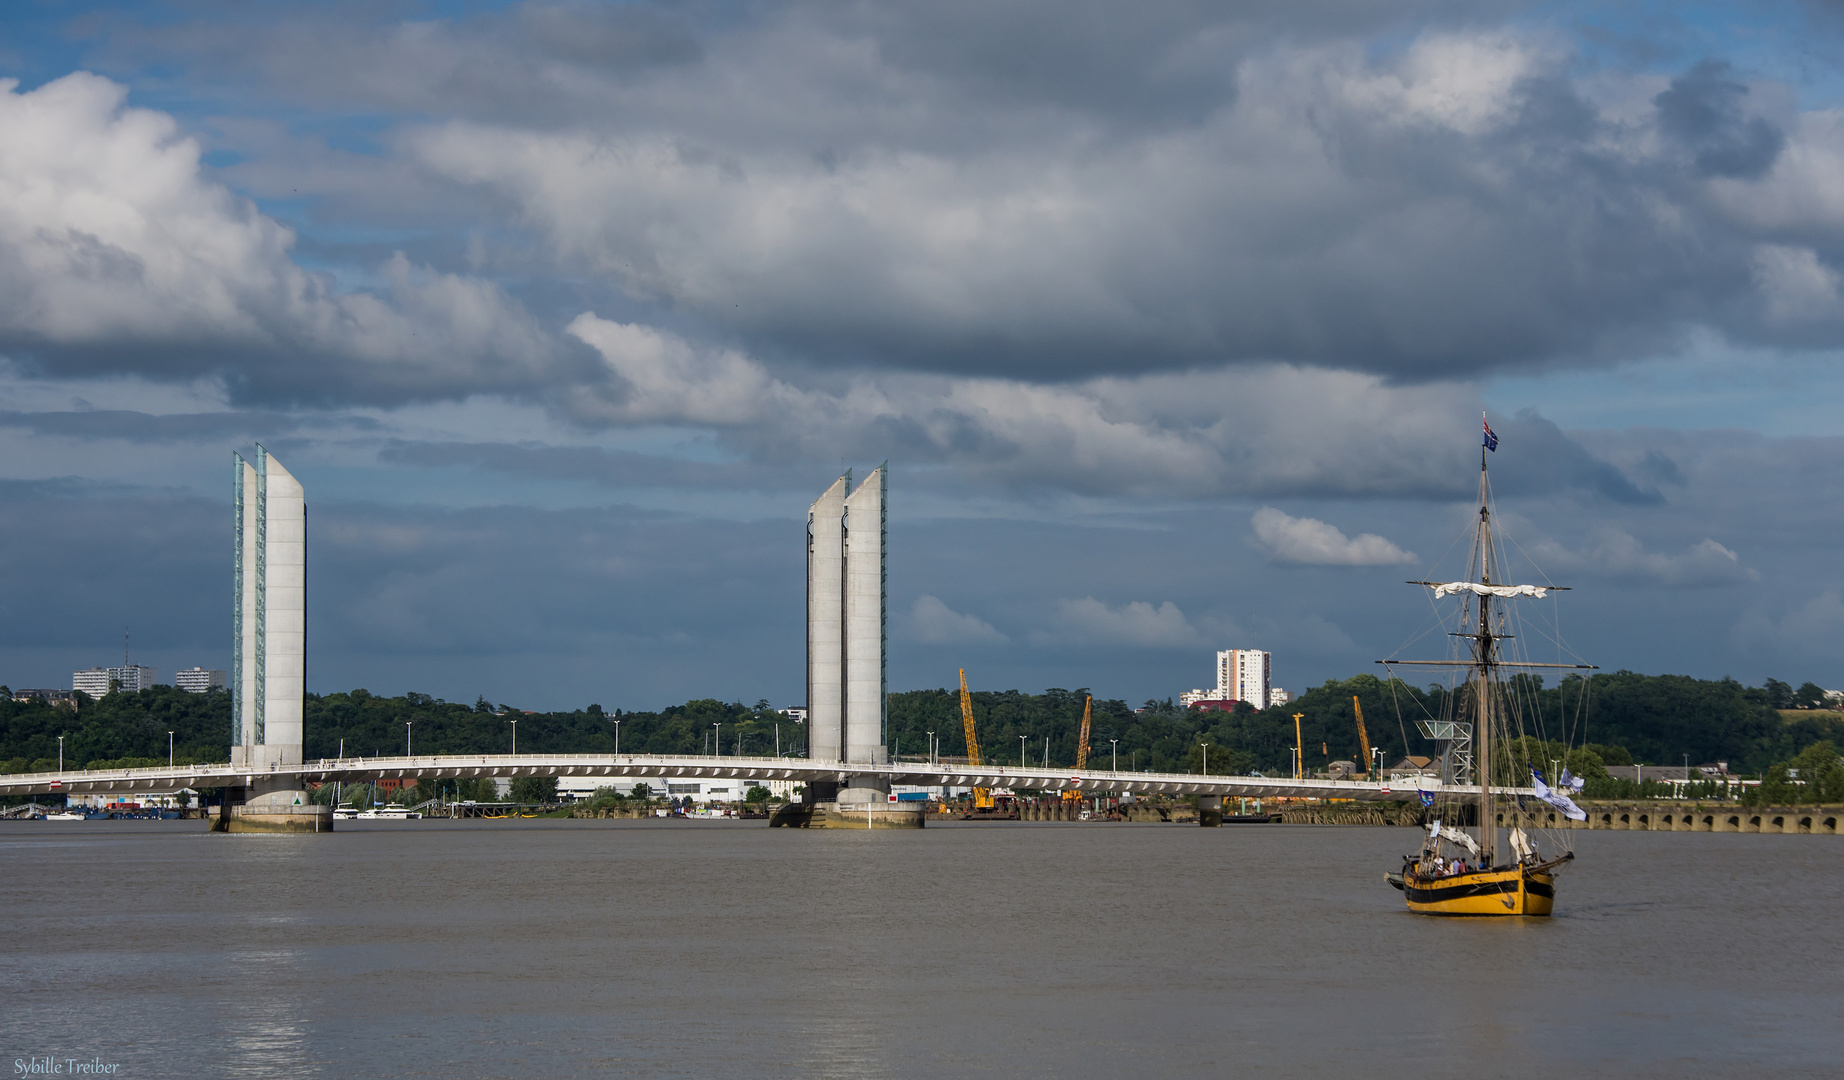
<point>1470,872</point>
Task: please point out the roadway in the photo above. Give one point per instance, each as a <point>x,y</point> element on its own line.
<point>628,769</point>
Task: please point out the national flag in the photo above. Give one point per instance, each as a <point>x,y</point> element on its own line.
<point>1491,440</point>
<point>1557,799</point>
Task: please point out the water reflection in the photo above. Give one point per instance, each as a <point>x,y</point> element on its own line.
<point>265,1021</point>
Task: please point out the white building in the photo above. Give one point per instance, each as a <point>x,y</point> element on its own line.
<point>162,800</point>
<point>1277,696</point>
<point>701,789</point>
<point>198,680</point>
<point>95,681</point>
<point>1243,674</point>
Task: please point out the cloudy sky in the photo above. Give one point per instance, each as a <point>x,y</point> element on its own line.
<point>1175,322</point>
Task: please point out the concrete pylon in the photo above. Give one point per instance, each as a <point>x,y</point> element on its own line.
<point>865,625</point>
<point>826,623</point>
<point>846,622</point>
<point>269,669</point>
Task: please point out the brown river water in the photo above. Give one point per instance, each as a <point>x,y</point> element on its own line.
<point>726,949</point>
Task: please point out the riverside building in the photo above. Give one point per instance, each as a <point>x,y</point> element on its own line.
<point>95,681</point>
<point>1242,675</point>
<point>198,680</point>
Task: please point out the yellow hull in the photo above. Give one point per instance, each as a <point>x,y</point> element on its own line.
<point>1491,892</point>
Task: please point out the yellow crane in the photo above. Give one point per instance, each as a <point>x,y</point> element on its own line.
<point>982,797</point>
<point>1081,749</point>
<point>1362,739</point>
<point>1299,748</point>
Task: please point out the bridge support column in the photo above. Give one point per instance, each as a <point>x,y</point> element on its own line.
<point>1210,810</point>
<point>282,810</point>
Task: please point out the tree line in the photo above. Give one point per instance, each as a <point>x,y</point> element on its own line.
<point>1618,717</point>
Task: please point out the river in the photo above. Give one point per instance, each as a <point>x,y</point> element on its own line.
<point>720,949</point>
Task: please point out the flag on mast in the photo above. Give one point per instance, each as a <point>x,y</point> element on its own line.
<point>1491,440</point>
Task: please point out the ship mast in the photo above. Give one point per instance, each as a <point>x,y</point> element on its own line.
<point>1485,646</point>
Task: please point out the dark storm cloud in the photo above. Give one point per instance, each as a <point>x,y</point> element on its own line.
<point>1038,191</point>
<point>1702,113</point>
<point>605,468</point>
<point>86,559</point>
<point>1548,462</point>
<point>179,427</point>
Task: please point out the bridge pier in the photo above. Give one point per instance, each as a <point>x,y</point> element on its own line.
<point>1209,810</point>
<point>861,815</point>
<point>283,810</point>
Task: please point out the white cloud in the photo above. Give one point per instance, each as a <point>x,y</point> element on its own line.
<point>1613,552</point>
<point>937,623</point>
<point>116,250</point>
<point>1312,542</point>
<point>1466,82</point>
<point>1202,433</point>
<point>1796,286</point>
<point>1137,623</point>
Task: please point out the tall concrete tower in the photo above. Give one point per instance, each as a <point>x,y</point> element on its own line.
<point>846,617</point>
<point>269,669</point>
<point>826,623</point>
<point>865,622</point>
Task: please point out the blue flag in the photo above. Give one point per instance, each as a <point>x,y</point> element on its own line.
<point>1491,440</point>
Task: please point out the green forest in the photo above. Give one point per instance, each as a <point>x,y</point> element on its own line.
<point>1622,716</point>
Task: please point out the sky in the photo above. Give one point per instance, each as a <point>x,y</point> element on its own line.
<point>1174,321</point>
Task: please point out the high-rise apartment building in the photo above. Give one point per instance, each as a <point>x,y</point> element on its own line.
<point>1243,675</point>
<point>198,680</point>
<point>95,681</point>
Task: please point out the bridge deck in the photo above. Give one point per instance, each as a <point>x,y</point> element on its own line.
<point>641,767</point>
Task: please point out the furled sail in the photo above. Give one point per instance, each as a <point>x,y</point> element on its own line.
<point>1453,835</point>
<point>1451,587</point>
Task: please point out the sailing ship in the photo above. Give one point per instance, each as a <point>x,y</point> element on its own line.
<point>1462,872</point>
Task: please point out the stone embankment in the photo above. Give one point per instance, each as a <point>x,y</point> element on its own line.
<point>1353,814</point>
<point>1141,810</point>
<point>1668,817</point>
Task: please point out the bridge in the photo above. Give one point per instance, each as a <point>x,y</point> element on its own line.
<point>639,768</point>
<point>265,782</point>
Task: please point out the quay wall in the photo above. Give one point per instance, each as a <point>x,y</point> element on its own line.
<point>1666,817</point>
<point>1625,816</point>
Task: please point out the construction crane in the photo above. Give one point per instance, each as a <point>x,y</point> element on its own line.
<point>982,797</point>
<point>1081,749</point>
<point>1362,739</point>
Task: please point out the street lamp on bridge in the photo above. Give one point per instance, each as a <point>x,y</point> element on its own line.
<point>169,749</point>
<point>717,746</point>
<point>406,738</point>
<point>515,737</point>
<point>617,737</point>
<point>60,753</point>
<point>1021,751</point>
<point>1114,744</point>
